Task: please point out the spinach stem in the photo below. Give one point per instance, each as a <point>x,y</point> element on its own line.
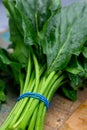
<point>38,81</point>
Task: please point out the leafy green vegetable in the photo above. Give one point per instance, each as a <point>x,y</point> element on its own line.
<point>48,43</point>
<point>74,66</point>
<point>70,93</point>
<point>2,94</point>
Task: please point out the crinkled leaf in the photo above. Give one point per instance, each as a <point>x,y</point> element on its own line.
<point>30,16</point>
<point>27,19</point>
<point>65,35</point>
<point>59,34</point>
<point>34,14</point>
<point>76,81</point>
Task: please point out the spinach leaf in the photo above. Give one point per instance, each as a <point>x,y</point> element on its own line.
<point>65,35</point>
<point>74,66</point>
<point>70,93</point>
<point>9,66</point>
<point>57,35</point>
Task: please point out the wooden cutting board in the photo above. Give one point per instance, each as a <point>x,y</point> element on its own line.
<point>78,120</point>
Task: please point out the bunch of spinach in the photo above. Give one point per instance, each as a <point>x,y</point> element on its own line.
<point>49,50</point>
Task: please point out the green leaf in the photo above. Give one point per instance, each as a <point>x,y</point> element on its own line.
<point>37,11</point>
<point>85,64</point>
<point>84,52</point>
<point>2,85</point>
<point>20,49</point>
<point>4,61</point>
<point>27,20</point>
<point>9,65</point>
<point>20,54</point>
<point>76,81</point>
<point>65,35</point>
<point>2,94</point>
<point>74,66</point>
<point>58,33</point>
<point>30,16</point>
<point>70,93</point>
<point>14,14</point>
<point>4,57</point>
<point>16,70</point>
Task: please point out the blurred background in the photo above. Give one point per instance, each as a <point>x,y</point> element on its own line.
<point>3,18</point>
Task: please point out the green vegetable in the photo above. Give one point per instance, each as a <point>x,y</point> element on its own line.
<point>46,38</point>
<point>2,94</point>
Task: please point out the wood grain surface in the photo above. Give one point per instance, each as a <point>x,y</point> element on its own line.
<point>63,111</point>
<point>78,120</point>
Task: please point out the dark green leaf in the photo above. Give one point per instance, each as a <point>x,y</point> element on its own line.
<point>75,81</point>
<point>3,57</point>
<point>65,35</point>
<point>74,66</point>
<point>9,66</point>
<point>2,94</point>
<point>70,93</point>
<point>84,52</point>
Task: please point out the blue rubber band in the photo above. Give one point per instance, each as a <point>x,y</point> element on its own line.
<point>36,96</point>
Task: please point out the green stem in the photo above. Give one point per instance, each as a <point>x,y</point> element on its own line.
<point>49,81</point>
<point>23,103</point>
<point>42,81</point>
<point>44,84</point>
<point>33,119</point>
<point>37,73</point>
<point>30,88</point>
<point>49,94</point>
<point>16,111</point>
<point>32,102</point>
<point>28,74</point>
<point>8,119</point>
<point>41,116</point>
<point>21,83</point>
<point>56,85</point>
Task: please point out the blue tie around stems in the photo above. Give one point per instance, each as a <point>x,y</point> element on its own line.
<point>36,96</point>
